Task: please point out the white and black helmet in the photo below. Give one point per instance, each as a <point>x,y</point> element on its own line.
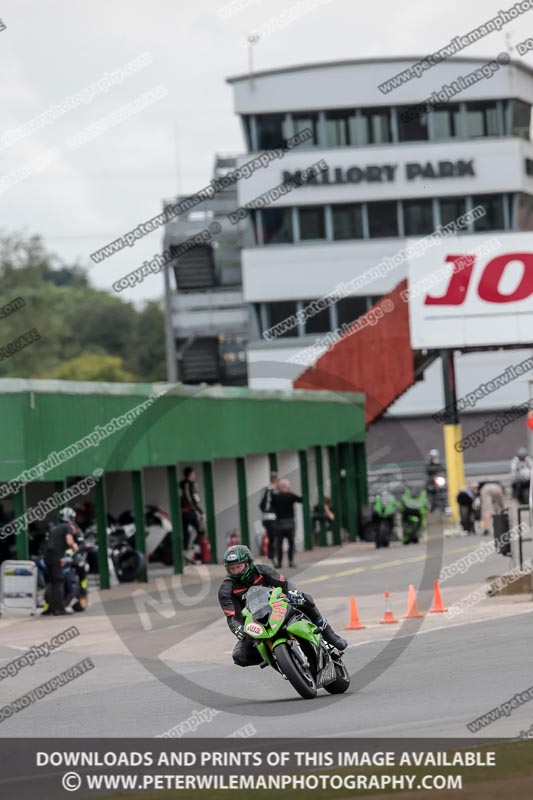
<point>67,515</point>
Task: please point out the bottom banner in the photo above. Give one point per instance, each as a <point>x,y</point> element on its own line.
<point>48,769</point>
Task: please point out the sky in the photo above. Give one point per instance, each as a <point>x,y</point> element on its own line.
<point>81,194</point>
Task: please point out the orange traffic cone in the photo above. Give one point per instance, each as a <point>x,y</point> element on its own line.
<point>412,607</point>
<point>438,605</point>
<point>354,623</point>
<point>388,616</point>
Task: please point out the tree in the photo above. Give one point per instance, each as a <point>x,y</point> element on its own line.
<point>67,276</point>
<point>103,321</point>
<point>73,319</point>
<point>23,260</point>
<point>150,343</point>
<point>92,367</point>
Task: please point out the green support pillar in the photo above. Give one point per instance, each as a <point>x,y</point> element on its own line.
<point>59,486</point>
<point>304,479</point>
<point>21,537</point>
<point>362,472</point>
<point>334,478</point>
<point>138,514</point>
<point>349,486</point>
<point>209,489</point>
<point>320,491</point>
<point>357,487</point>
<point>175,517</point>
<point>273,462</point>
<point>101,532</point>
<point>243,501</point>
<point>357,482</point>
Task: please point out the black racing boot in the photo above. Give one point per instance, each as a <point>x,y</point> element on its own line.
<point>329,634</point>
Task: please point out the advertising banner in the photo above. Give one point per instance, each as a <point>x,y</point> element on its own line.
<point>473,290</point>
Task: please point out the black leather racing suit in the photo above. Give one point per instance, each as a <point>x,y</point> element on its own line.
<point>230,599</point>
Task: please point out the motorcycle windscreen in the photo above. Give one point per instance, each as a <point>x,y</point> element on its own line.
<point>258,602</point>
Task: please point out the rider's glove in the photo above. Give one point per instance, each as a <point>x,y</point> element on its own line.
<point>295,597</point>
<point>239,632</point>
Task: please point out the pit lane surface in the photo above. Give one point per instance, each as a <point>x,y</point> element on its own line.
<point>416,678</point>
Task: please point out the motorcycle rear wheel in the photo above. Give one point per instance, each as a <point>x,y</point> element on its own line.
<point>305,687</point>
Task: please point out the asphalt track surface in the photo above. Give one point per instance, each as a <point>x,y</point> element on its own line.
<point>425,678</point>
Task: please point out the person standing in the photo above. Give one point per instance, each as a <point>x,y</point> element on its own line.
<point>492,502</point>
<point>283,507</point>
<point>323,515</point>
<point>192,515</point>
<point>61,538</point>
<point>521,466</point>
<point>269,518</point>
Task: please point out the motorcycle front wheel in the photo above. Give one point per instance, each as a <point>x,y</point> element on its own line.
<point>383,534</point>
<point>299,679</point>
<point>411,533</point>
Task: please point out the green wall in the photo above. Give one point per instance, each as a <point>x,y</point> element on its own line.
<point>187,424</point>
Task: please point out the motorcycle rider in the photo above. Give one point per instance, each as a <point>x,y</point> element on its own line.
<point>61,538</point>
<point>520,460</point>
<point>433,463</point>
<point>243,573</point>
<point>435,481</point>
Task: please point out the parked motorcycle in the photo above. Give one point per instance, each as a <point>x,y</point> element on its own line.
<point>414,510</point>
<point>467,501</point>
<point>158,535</point>
<point>384,516</point>
<point>124,560</point>
<point>291,644</point>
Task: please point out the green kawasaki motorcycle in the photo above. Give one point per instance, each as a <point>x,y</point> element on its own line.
<point>383,518</point>
<point>291,644</point>
<point>414,511</point>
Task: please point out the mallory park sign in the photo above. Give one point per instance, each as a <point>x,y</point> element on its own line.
<point>385,173</point>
